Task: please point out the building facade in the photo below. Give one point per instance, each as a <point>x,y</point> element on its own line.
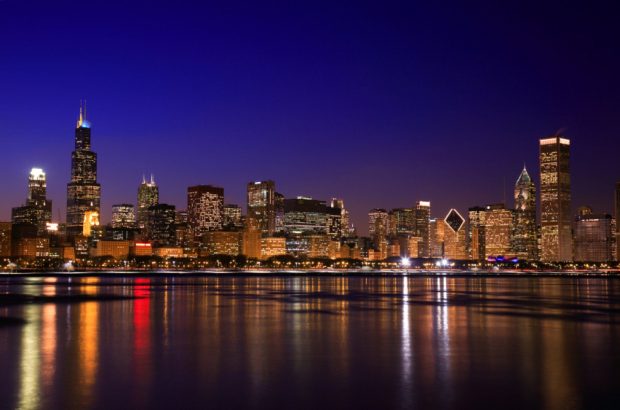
<point>148,196</point>
<point>261,205</point>
<point>205,210</point>
<point>555,200</point>
<point>161,225</point>
<point>593,237</point>
<point>525,242</point>
<point>422,228</point>
<point>83,192</point>
<point>123,216</point>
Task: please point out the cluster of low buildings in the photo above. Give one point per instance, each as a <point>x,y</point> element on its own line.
<point>302,227</point>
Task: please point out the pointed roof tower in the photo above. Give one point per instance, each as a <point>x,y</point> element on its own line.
<point>82,121</point>
<point>524,177</point>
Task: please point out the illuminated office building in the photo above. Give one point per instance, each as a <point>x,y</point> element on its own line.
<point>593,236</point>
<point>498,226</point>
<point>5,239</point>
<point>378,223</point>
<point>454,236</point>
<point>617,220</point>
<point>524,241</point>
<point>222,242</point>
<point>401,222</point>
<point>475,233</point>
<point>205,210</point>
<point>437,229</point>
<point>232,217</point>
<point>421,227</point>
<point>148,195</point>
<point>37,211</point>
<point>272,246</point>
<point>123,216</point>
<point>83,192</point>
<point>344,217</point>
<point>161,225</point>
<point>555,200</point>
<point>261,205</point>
<point>303,215</point>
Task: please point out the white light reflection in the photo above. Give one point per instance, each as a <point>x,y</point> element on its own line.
<point>29,382</point>
<point>405,345</point>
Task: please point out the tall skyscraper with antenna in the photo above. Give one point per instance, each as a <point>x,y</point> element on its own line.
<point>525,240</point>
<point>148,195</point>
<point>83,192</point>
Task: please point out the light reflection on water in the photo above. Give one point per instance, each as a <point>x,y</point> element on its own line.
<point>308,342</point>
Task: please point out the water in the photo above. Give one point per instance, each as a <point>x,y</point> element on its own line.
<point>309,342</point>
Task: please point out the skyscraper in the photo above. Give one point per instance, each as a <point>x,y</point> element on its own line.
<point>455,238</point>
<point>123,216</point>
<point>524,241</point>
<point>83,192</point>
<point>378,222</point>
<point>617,207</point>
<point>161,225</point>
<point>344,217</point>
<point>421,220</point>
<point>148,195</point>
<point>593,236</point>
<point>476,233</point>
<point>555,200</point>
<point>261,205</point>
<point>232,217</point>
<point>205,210</point>
<point>38,209</point>
<point>498,227</point>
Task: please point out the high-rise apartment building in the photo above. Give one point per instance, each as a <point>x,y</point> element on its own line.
<point>148,195</point>
<point>261,205</point>
<point>83,192</point>
<point>555,200</point>
<point>205,210</point>
<point>524,241</point>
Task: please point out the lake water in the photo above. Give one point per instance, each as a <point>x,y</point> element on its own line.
<point>309,342</point>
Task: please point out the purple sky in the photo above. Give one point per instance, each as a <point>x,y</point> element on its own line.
<point>380,103</point>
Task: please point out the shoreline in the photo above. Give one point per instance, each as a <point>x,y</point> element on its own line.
<point>609,274</point>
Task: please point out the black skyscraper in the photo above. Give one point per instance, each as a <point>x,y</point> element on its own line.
<point>83,192</point>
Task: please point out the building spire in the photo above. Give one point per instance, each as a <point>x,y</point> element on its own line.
<point>143,179</point>
<point>152,179</point>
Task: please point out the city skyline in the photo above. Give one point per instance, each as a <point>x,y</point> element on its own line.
<point>375,96</point>
<point>362,228</point>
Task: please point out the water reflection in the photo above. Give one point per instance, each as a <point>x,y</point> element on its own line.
<point>330,342</point>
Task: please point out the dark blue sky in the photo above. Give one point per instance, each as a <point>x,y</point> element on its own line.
<point>380,103</point>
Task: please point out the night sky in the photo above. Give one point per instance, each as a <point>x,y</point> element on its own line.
<point>380,103</point>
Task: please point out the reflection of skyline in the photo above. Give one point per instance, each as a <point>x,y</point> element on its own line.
<point>402,335</point>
